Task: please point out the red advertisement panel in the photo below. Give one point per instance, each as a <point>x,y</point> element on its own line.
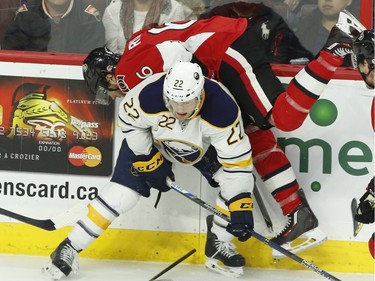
<point>54,126</point>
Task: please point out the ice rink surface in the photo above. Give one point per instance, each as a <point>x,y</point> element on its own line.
<point>28,268</point>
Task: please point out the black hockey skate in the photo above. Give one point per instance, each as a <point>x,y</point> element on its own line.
<point>221,256</point>
<point>302,223</point>
<point>64,260</point>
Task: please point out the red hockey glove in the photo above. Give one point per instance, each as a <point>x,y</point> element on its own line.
<point>154,170</point>
<point>241,216</point>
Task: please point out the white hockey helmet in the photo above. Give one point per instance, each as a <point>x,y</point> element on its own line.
<point>183,82</point>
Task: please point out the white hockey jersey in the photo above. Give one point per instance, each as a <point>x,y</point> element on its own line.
<point>146,121</point>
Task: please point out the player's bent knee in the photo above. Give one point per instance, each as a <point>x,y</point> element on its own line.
<point>119,197</point>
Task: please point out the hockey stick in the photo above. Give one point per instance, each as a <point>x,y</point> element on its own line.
<point>357,226</point>
<point>67,218</point>
<point>262,208</point>
<point>173,264</point>
<point>261,238</point>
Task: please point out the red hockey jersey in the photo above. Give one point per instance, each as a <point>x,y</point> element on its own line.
<point>207,40</point>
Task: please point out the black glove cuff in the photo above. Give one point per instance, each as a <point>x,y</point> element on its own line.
<point>238,197</point>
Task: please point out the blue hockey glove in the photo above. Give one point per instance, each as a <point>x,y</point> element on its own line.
<point>241,216</point>
<point>365,211</point>
<point>154,170</point>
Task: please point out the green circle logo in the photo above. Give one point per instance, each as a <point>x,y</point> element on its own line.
<point>316,186</point>
<point>323,113</point>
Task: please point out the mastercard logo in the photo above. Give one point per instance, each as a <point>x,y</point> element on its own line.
<point>79,156</point>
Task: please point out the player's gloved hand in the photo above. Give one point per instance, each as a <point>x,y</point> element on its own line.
<point>241,216</point>
<point>154,170</point>
<point>365,211</point>
<point>338,45</point>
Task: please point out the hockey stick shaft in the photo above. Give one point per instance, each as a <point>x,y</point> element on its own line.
<point>173,264</point>
<point>262,208</point>
<point>256,235</point>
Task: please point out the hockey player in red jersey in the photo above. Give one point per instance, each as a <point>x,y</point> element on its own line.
<point>228,50</point>
<point>363,59</point>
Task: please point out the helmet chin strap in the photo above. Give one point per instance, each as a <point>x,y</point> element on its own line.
<point>365,75</point>
<point>201,98</point>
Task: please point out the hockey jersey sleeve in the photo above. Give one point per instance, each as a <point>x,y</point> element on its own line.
<point>293,105</point>
<point>132,121</point>
<point>226,131</point>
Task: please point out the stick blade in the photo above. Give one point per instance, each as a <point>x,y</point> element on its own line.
<point>67,218</point>
<point>47,224</point>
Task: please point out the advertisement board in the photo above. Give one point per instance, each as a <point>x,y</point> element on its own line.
<point>51,130</point>
<point>53,125</point>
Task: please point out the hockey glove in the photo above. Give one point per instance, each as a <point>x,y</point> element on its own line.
<point>338,45</point>
<point>154,170</point>
<point>365,211</point>
<point>241,216</point>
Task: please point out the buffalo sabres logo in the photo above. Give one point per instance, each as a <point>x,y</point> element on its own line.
<point>184,152</point>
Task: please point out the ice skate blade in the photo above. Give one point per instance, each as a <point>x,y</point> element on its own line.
<point>52,271</point>
<point>213,265</point>
<point>349,24</point>
<point>311,239</point>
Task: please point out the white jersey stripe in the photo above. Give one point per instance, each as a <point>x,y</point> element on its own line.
<point>280,179</point>
<point>310,83</point>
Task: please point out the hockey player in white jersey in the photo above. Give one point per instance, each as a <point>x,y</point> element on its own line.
<point>175,117</point>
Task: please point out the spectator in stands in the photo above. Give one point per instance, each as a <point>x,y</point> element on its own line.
<point>124,17</point>
<point>197,6</point>
<point>294,10</point>
<point>293,5</point>
<point>313,30</point>
<point>7,10</point>
<point>71,26</point>
<point>211,4</point>
<point>281,43</point>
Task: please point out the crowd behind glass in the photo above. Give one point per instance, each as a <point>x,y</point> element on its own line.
<point>78,26</point>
